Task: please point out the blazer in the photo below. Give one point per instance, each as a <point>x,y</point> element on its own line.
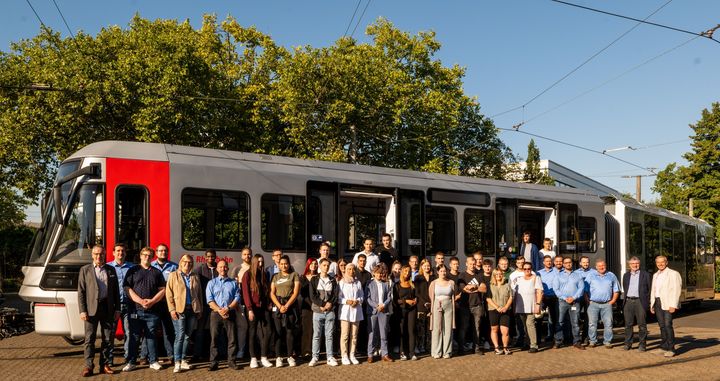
<point>643,287</point>
<point>372,298</point>
<point>175,292</point>
<point>537,258</point>
<point>669,290</point>
<point>89,293</point>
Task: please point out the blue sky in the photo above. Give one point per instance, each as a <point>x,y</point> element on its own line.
<point>511,49</point>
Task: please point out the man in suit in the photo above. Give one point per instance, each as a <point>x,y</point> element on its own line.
<point>99,302</point>
<point>636,284</point>
<point>664,301</point>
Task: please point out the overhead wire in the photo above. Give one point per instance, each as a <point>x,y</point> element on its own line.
<point>581,65</point>
<point>360,18</point>
<point>63,19</point>
<point>352,18</point>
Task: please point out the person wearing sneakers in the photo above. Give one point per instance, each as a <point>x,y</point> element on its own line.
<point>350,299</point>
<point>223,296</point>
<point>146,287</point>
<point>184,301</point>
<point>664,301</point>
<point>284,291</point>
<point>256,298</point>
<point>604,292</point>
<point>324,295</point>
<point>378,295</point>
<point>499,300</point>
<point>569,289</point>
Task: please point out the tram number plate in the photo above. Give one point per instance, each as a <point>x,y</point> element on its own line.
<point>414,242</point>
<point>317,237</point>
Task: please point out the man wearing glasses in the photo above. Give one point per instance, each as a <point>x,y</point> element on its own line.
<point>206,271</point>
<point>528,291</point>
<point>569,288</point>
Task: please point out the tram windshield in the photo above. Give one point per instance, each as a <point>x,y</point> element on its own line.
<point>84,228</point>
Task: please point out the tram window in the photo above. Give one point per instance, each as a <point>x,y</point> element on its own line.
<point>441,231</point>
<point>507,238</point>
<point>478,230</point>
<point>568,230</point>
<point>84,228</point>
<point>691,258</point>
<point>667,244</point>
<point>652,240</point>
<point>635,239</point>
<point>215,219</point>
<point>282,222</point>
<point>678,245</point>
<point>131,216</point>
<point>587,230</point>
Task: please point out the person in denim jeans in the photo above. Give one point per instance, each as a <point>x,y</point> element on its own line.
<point>184,300</point>
<point>324,295</point>
<point>121,267</point>
<point>604,292</point>
<point>146,287</point>
<point>569,288</point>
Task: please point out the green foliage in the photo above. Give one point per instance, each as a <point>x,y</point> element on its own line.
<point>532,173</point>
<point>700,179</point>
<point>387,103</point>
<point>14,241</point>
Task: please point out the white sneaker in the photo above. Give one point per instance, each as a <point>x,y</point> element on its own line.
<point>331,361</point>
<point>313,361</point>
<point>291,361</point>
<point>155,366</point>
<point>403,357</point>
<point>278,362</point>
<point>345,360</point>
<point>177,368</point>
<point>129,367</point>
<point>184,365</point>
<point>354,360</point>
<point>253,363</point>
<point>265,362</point>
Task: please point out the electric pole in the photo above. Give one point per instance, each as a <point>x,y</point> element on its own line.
<point>638,185</point>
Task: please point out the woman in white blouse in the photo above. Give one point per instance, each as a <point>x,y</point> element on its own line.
<point>350,298</point>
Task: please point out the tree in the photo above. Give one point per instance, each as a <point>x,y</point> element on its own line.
<point>388,103</point>
<point>700,178</point>
<point>532,173</point>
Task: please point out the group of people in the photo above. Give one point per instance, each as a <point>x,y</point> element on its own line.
<point>430,308</point>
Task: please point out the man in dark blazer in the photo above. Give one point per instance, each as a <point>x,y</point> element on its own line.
<point>99,302</point>
<point>636,284</point>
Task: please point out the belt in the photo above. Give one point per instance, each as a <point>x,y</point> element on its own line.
<point>632,297</point>
<point>606,302</point>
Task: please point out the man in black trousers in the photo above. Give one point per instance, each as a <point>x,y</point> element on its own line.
<point>99,302</point>
<point>636,283</point>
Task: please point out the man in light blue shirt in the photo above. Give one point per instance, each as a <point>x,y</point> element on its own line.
<point>162,263</point>
<point>223,296</point>
<point>550,300</point>
<point>604,292</point>
<point>121,269</point>
<point>569,289</point>
<point>584,270</point>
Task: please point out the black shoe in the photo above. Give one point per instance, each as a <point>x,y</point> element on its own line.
<point>533,350</point>
<point>557,345</point>
<point>627,347</point>
<point>233,365</point>
<point>641,349</point>
<point>213,367</point>
<point>579,346</point>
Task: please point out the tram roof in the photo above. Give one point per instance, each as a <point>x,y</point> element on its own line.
<point>167,152</point>
<point>652,209</point>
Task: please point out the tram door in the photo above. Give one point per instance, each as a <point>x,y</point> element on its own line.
<point>411,224</point>
<point>321,217</point>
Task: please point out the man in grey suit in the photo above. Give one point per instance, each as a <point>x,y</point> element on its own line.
<point>99,302</point>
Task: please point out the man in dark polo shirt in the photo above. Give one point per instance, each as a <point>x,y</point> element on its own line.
<point>145,285</point>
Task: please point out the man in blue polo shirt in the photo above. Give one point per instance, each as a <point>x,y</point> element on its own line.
<point>604,292</point>
<point>569,289</point>
<point>550,300</point>
<point>166,267</point>
<point>584,270</point>
<point>121,268</point>
<point>223,296</point>
<point>145,286</point>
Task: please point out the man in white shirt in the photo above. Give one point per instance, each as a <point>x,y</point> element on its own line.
<point>547,248</point>
<point>372,258</point>
<point>664,301</point>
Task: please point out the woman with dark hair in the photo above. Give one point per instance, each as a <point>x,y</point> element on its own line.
<point>255,297</point>
<point>405,309</point>
<point>422,283</point>
<point>306,313</point>
<point>284,291</point>
<point>442,297</point>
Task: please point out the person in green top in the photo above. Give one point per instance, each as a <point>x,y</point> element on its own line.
<point>499,300</point>
<point>284,290</point>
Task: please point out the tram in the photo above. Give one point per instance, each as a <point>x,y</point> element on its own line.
<point>143,194</point>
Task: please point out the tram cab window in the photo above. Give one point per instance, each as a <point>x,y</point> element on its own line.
<point>215,219</point>
<point>479,232</point>
<point>131,219</point>
<point>587,230</point>
<point>441,229</point>
<point>568,242</point>
<point>282,222</point>
<point>84,228</point>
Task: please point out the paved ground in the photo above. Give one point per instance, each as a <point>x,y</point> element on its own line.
<point>38,357</point>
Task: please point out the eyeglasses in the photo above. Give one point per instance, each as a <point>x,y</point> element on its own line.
<point>527,269</point>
